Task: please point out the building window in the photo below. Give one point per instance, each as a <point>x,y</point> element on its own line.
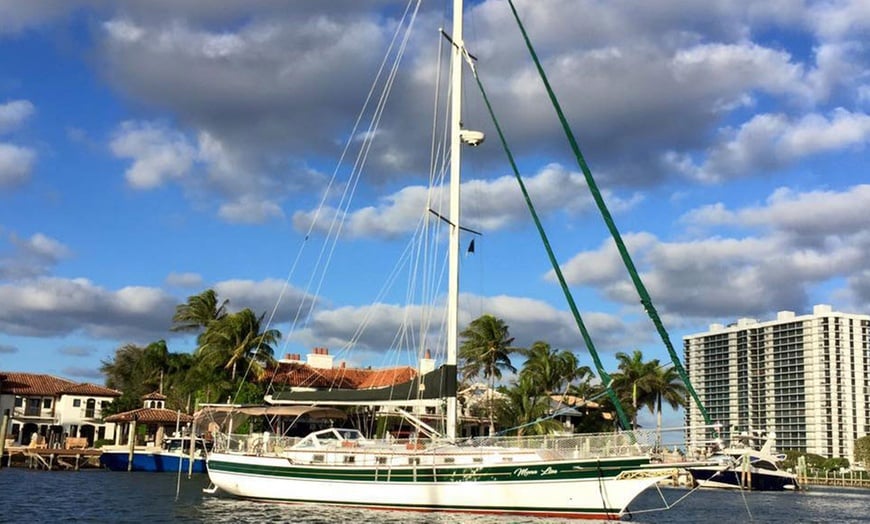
<point>90,407</point>
<point>19,401</point>
<point>33,407</point>
<point>73,430</point>
<point>77,402</point>
<point>46,403</point>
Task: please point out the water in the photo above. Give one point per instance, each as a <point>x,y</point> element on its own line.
<point>103,496</point>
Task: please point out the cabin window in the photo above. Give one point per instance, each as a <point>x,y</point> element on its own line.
<point>317,458</point>
<point>349,459</point>
<point>77,402</point>
<point>46,403</point>
<point>381,460</point>
<point>477,460</point>
<point>507,459</point>
<point>414,461</point>
<point>449,460</point>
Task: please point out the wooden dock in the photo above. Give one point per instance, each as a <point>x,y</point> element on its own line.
<point>51,459</point>
<point>841,480</point>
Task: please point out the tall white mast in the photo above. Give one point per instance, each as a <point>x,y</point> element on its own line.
<point>453,261</point>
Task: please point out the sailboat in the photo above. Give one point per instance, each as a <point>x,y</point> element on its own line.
<point>592,476</point>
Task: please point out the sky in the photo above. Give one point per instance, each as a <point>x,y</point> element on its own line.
<point>152,150</point>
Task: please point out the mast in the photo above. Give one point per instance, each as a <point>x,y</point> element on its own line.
<point>453,241</point>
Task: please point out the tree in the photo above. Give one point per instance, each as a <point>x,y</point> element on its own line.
<point>862,451</point>
<point>485,350</point>
<point>527,409</point>
<point>552,371</point>
<point>136,371</point>
<point>633,381</point>
<point>236,338</point>
<point>665,384</point>
<point>199,311</point>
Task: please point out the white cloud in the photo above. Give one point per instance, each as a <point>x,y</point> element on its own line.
<point>45,307</point>
<point>14,113</point>
<point>262,297</point>
<point>158,153</point>
<point>488,205</point>
<point>799,241</point>
<point>16,164</point>
<point>768,142</point>
<point>44,247</point>
<point>808,215</point>
<point>184,280</point>
<point>32,256</point>
<point>250,209</point>
<point>76,351</point>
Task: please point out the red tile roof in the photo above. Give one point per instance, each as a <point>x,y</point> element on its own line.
<point>48,385</point>
<point>33,384</point>
<point>297,374</point>
<point>154,395</point>
<point>150,416</point>
<point>93,390</point>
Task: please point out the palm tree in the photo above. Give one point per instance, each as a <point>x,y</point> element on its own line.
<point>550,369</point>
<point>199,311</point>
<point>485,350</point>
<point>236,338</point>
<point>633,380</point>
<point>528,409</point>
<point>666,384</point>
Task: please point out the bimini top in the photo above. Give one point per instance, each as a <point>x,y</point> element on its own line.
<point>220,413</point>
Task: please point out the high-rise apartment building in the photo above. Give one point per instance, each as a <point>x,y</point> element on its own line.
<point>806,377</point>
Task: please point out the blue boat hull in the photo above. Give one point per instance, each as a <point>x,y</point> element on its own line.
<point>733,478</point>
<point>152,462</point>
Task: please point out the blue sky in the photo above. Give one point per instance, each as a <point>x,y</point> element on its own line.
<point>149,151</point>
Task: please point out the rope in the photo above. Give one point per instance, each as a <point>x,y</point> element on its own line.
<point>611,225</point>
<point>602,373</point>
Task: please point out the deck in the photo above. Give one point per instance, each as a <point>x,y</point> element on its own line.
<point>50,458</point>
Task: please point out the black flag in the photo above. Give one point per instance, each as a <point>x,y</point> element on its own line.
<point>470,247</point>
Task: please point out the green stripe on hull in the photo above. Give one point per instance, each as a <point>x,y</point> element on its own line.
<point>502,473</point>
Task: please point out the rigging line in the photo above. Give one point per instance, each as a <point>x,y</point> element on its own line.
<point>353,132</point>
<point>354,172</point>
<point>645,299</point>
<point>361,160</point>
<point>326,191</point>
<point>602,373</point>
<point>339,217</point>
<point>424,252</point>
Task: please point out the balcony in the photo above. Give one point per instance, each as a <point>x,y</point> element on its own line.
<point>30,412</point>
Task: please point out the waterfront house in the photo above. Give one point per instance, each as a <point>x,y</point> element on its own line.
<point>45,410</point>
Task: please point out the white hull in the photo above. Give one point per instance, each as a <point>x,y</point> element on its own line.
<point>594,497</point>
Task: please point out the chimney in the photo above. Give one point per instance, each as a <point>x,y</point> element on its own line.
<point>290,358</point>
<point>320,358</point>
<point>427,363</point>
